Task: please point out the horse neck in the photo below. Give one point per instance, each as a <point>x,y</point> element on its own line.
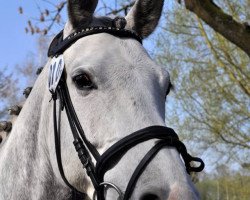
<point>25,168</point>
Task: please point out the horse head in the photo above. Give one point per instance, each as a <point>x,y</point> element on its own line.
<point>117,89</point>
<point>109,88</point>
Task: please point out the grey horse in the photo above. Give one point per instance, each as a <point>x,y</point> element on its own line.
<point>130,94</point>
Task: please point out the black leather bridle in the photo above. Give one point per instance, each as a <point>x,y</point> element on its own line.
<point>166,136</point>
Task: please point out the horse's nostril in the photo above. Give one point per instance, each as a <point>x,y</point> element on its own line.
<point>149,197</point>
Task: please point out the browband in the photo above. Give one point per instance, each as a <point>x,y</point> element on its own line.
<point>59,45</point>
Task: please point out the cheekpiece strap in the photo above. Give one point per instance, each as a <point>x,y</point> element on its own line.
<point>59,45</point>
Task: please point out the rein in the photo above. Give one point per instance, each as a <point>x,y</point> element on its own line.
<point>58,87</point>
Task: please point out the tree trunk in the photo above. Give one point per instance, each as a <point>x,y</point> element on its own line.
<point>209,12</point>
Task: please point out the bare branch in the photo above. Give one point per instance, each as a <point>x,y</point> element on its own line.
<point>209,12</point>
<point>123,8</point>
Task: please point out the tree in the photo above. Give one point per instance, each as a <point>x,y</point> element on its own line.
<point>8,91</point>
<point>234,31</point>
<point>227,25</point>
<point>231,186</point>
<point>50,14</point>
<point>12,84</point>
<point>211,77</point>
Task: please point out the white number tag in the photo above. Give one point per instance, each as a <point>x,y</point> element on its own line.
<point>55,72</point>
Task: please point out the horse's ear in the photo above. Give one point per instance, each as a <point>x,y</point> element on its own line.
<point>144,16</point>
<point>80,12</point>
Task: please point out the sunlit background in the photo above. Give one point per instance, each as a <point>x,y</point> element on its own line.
<point>209,107</point>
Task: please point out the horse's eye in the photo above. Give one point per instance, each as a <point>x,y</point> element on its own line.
<point>83,82</point>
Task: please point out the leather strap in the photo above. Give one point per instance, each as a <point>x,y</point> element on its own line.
<point>116,151</point>
<point>148,158</point>
<point>80,148</point>
<point>141,167</point>
<point>73,117</point>
<point>166,136</point>
<point>75,194</point>
<point>59,45</point>
<point>83,152</point>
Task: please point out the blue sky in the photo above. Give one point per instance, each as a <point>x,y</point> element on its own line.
<point>15,43</point>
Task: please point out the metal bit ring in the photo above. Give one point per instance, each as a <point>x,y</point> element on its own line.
<point>108,185</point>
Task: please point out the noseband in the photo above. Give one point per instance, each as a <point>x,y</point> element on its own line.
<point>166,137</point>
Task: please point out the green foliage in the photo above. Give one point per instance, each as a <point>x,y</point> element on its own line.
<point>212,83</point>
<point>225,188</point>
